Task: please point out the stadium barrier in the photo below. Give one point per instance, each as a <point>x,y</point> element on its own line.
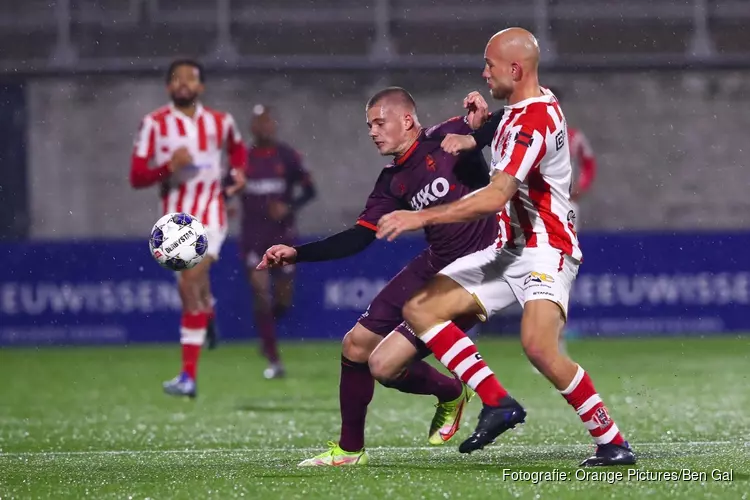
<point>98,292</point>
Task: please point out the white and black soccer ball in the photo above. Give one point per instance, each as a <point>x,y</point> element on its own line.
<point>178,241</point>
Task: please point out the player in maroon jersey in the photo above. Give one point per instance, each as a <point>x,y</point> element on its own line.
<point>180,147</point>
<point>270,202</point>
<point>421,175</point>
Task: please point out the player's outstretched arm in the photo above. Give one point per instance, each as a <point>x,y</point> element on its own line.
<point>482,202</point>
<point>338,246</point>
<point>488,200</point>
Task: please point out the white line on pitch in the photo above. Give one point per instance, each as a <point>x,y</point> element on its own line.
<point>499,448</point>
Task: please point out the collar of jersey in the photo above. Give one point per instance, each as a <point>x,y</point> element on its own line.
<point>402,159</point>
<point>263,152</point>
<point>547,97</point>
<point>198,111</point>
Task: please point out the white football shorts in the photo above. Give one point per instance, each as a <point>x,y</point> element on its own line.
<point>216,236</point>
<point>499,277</point>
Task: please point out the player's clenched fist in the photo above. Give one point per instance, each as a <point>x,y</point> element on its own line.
<point>277,256</point>
<point>391,225</point>
<point>478,110</point>
<point>180,159</point>
<point>456,143</point>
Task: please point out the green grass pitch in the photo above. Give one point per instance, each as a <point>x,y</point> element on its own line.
<point>93,423</point>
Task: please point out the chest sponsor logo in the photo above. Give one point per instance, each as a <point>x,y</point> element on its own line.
<point>431,193</point>
<point>265,186</point>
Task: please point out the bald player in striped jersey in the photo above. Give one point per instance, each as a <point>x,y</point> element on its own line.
<point>535,265</point>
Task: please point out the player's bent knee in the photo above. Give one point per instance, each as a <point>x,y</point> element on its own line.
<point>378,369</point>
<point>358,344</point>
<point>540,328</point>
<point>536,351</point>
<point>382,370</point>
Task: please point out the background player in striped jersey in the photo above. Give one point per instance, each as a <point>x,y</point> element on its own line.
<point>583,161</point>
<point>535,267</point>
<point>180,148</point>
<point>270,202</point>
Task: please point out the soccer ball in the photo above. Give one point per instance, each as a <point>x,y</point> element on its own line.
<point>178,241</point>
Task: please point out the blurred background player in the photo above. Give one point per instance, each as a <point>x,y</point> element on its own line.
<point>179,146</point>
<point>584,164</point>
<point>584,171</point>
<point>277,187</point>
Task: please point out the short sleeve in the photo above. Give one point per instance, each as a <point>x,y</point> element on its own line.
<point>145,139</point>
<point>379,203</point>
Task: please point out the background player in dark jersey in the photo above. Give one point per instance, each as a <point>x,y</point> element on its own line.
<point>421,175</point>
<point>277,187</point>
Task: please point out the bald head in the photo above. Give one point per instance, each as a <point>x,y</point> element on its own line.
<point>512,61</point>
<point>516,44</point>
<point>262,125</point>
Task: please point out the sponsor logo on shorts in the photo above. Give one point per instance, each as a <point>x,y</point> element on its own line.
<point>535,277</point>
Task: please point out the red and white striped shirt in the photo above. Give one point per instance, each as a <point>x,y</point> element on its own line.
<point>195,189</point>
<point>531,144</point>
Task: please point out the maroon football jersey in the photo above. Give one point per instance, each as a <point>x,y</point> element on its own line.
<point>272,174</point>
<point>426,176</point>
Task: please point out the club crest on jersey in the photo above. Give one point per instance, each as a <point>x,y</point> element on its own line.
<point>504,141</point>
<point>402,189</point>
<point>430,193</point>
<point>535,277</point>
<point>431,164</point>
<point>601,418</point>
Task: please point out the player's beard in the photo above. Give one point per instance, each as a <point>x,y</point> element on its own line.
<point>500,93</point>
<point>184,102</point>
